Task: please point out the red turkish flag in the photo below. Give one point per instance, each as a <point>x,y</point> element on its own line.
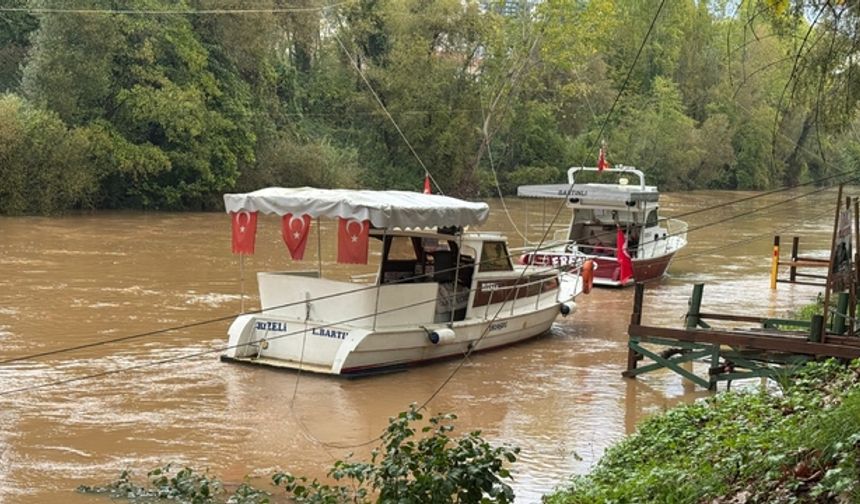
<point>427,184</point>
<point>601,160</point>
<point>352,238</point>
<point>623,257</point>
<point>244,231</point>
<point>295,232</point>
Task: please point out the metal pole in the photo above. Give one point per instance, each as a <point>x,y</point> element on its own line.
<point>242,283</point>
<point>319,248</point>
<point>379,282</point>
<point>453,301</point>
<point>526,237</point>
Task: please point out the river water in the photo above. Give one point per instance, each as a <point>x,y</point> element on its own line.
<point>81,279</point>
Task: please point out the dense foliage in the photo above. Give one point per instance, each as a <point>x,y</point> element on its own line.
<point>133,108</point>
<point>800,445</point>
<point>435,468</point>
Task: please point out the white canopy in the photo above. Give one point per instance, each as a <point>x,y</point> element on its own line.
<point>384,209</point>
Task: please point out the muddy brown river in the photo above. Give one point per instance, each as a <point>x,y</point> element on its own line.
<point>81,279</point>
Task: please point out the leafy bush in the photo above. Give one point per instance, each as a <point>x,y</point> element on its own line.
<point>799,446</point>
<point>433,469</point>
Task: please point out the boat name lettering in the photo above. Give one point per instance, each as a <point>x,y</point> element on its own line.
<point>270,325</point>
<point>498,326</point>
<point>329,333</point>
<point>573,192</point>
<point>559,260</point>
<point>490,286</point>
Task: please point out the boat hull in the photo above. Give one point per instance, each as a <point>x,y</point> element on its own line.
<point>608,270</point>
<point>351,351</point>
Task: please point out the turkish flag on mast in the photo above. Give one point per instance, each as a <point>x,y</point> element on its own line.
<point>624,262</point>
<point>352,238</point>
<point>295,232</point>
<point>601,160</point>
<point>427,184</point>
<point>244,231</point>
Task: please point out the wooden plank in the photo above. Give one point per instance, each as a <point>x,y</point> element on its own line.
<point>806,263</point>
<point>814,284</point>
<point>733,318</point>
<point>747,340</point>
<point>671,364</point>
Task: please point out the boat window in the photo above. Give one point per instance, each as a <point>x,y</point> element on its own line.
<point>494,257</point>
<point>651,221</point>
<point>583,215</point>
<point>401,249</point>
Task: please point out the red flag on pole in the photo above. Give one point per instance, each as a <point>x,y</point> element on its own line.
<point>295,232</point>
<point>601,160</point>
<point>624,262</point>
<point>427,184</point>
<point>352,238</point>
<point>244,231</point>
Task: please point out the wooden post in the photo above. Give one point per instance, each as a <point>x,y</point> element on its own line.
<point>774,263</point>
<point>635,319</point>
<point>856,265</point>
<point>829,280</point>
<point>795,245</point>
<point>692,318</point>
<point>841,311</point>
<point>816,330</point>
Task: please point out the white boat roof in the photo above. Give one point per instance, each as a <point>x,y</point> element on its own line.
<point>593,194</point>
<point>384,209</point>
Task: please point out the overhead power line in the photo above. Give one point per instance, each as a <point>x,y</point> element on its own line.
<point>163,12</point>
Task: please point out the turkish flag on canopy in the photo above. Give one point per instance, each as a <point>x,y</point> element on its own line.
<point>626,265</point>
<point>601,160</point>
<point>244,231</point>
<point>352,241</point>
<point>295,231</point>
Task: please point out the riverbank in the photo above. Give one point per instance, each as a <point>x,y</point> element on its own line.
<point>799,442</point>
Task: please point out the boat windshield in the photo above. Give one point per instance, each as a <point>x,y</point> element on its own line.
<point>651,220</point>
<point>494,257</point>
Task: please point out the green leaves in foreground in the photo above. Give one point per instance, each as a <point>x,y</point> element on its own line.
<point>433,469</point>
<point>800,445</point>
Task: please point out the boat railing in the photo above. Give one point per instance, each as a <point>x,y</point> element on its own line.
<point>514,298</point>
<point>617,169</point>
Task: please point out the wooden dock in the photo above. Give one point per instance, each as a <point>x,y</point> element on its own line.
<point>770,348</point>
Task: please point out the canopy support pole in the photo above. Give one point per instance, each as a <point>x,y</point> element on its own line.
<point>319,248</point>
<point>453,301</point>
<point>241,283</point>
<point>379,281</point>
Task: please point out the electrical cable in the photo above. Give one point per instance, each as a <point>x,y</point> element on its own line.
<point>558,211</point>
<point>387,113</point>
<point>282,10</point>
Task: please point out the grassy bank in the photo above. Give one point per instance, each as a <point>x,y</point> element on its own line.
<point>800,443</point>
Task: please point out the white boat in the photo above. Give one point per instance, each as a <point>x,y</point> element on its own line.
<point>611,223</point>
<point>439,291</point>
